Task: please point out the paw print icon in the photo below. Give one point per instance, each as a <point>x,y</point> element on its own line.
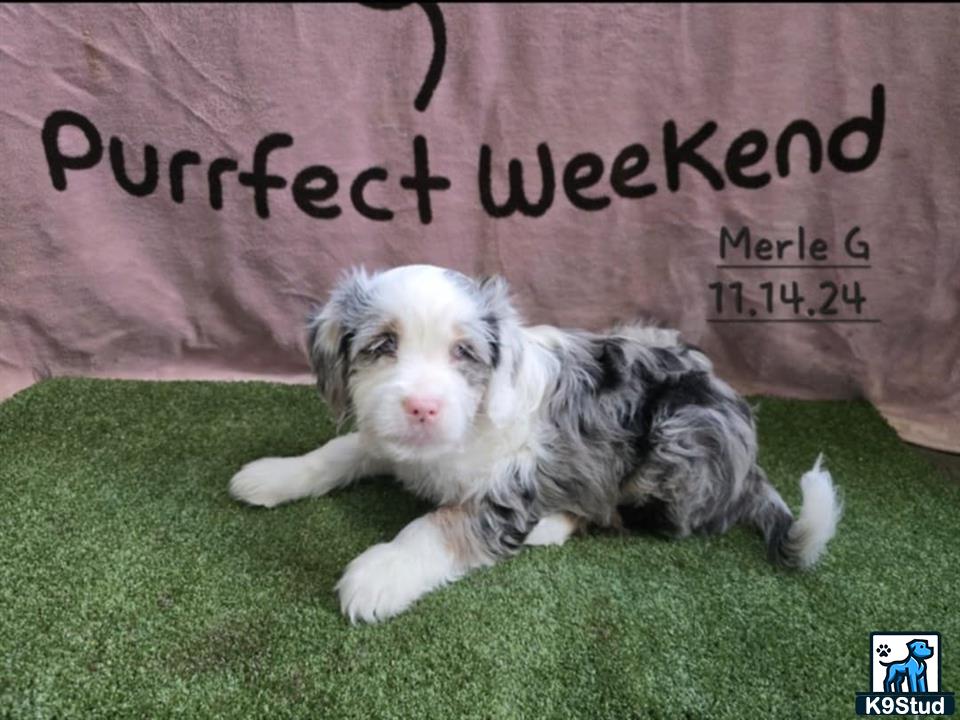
<point>883,650</point>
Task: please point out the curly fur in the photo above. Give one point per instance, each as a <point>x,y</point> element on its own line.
<point>535,425</point>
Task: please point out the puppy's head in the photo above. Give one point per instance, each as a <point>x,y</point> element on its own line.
<point>418,355</point>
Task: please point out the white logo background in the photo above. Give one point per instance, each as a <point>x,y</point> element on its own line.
<point>897,642</point>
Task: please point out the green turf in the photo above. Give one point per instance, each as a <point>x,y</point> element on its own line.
<point>132,587</point>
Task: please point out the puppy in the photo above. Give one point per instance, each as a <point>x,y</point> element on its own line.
<point>521,434</point>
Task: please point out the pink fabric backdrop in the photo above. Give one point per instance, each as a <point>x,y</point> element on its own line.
<point>96,281</point>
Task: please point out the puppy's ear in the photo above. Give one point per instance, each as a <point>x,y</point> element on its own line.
<point>503,330</point>
<point>330,332</point>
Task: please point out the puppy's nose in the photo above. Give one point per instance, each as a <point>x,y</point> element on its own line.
<point>422,409</point>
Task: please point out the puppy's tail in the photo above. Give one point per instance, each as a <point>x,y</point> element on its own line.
<point>797,542</point>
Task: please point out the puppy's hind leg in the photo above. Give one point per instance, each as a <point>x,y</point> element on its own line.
<point>275,480</point>
<point>553,530</point>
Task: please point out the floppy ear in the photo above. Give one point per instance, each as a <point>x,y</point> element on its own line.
<point>330,332</point>
<point>503,329</point>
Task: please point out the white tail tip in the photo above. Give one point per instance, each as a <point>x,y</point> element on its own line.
<point>819,515</point>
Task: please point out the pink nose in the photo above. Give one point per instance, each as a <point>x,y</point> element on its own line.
<point>422,409</point>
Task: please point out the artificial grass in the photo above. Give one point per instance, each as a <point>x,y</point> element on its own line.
<point>132,586</point>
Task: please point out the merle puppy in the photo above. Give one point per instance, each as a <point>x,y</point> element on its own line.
<point>520,435</point>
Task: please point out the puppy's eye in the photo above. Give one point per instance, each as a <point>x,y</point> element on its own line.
<point>385,344</point>
<point>464,351</point>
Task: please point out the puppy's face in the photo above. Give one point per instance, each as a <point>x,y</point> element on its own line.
<point>413,353</point>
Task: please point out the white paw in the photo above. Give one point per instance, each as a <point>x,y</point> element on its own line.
<point>381,582</point>
<point>271,481</point>
<point>386,579</point>
<point>551,530</point>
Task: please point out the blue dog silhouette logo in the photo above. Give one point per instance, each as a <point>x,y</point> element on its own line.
<point>909,674</point>
<point>905,676</point>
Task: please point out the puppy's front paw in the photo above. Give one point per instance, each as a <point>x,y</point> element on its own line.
<point>388,578</point>
<point>379,583</point>
<point>270,481</point>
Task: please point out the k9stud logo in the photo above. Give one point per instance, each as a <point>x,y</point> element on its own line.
<point>905,676</point>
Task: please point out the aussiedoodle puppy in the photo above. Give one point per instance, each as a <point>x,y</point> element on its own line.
<point>521,435</point>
